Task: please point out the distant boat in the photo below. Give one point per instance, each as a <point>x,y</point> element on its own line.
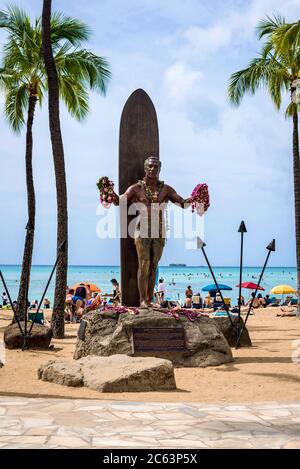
<point>177,265</point>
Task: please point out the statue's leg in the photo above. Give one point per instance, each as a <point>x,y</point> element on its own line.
<point>157,247</point>
<point>143,247</point>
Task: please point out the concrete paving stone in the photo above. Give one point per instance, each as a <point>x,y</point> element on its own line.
<point>44,431</point>
<point>104,442</point>
<point>10,402</point>
<point>66,423</point>
<point>34,441</point>
<point>143,416</point>
<point>88,408</point>
<point>181,443</point>
<point>7,422</point>
<point>68,442</point>
<point>230,444</point>
<point>146,440</point>
<point>292,444</point>
<point>10,432</point>
<point>36,422</point>
<point>133,407</point>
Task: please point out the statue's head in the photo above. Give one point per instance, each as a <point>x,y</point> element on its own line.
<point>152,166</point>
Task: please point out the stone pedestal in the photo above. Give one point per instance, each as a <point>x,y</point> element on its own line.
<point>111,333</point>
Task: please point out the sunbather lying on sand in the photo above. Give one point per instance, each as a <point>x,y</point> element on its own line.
<point>291,312</point>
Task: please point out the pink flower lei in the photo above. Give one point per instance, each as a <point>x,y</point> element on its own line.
<point>200,199</point>
<point>106,189</point>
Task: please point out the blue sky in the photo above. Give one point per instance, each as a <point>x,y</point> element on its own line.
<point>182,53</point>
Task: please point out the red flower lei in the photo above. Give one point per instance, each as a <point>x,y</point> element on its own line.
<point>200,199</point>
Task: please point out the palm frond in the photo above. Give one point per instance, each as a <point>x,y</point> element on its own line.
<point>87,67</point>
<point>267,26</point>
<point>67,28</point>
<point>74,96</point>
<point>250,79</point>
<point>16,102</point>
<point>287,37</point>
<point>291,109</point>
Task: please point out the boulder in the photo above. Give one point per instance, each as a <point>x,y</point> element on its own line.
<point>117,373</point>
<point>40,336</point>
<point>111,334</point>
<point>65,373</point>
<point>224,325</point>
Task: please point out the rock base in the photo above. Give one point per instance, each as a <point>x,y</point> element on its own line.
<point>118,373</point>
<point>224,326</point>
<point>110,333</point>
<point>40,336</point>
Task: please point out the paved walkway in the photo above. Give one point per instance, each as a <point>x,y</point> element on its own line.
<point>70,423</point>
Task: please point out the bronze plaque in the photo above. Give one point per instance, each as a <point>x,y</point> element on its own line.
<point>158,339</point>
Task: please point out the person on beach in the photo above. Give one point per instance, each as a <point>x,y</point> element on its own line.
<point>241,300</point>
<point>256,302</point>
<point>197,301</point>
<point>267,300</point>
<point>262,301</point>
<point>46,303</point>
<point>208,301</point>
<point>188,291</point>
<point>69,306</point>
<point>116,298</point>
<point>161,290</point>
<point>79,298</point>
<point>188,302</point>
<point>4,299</point>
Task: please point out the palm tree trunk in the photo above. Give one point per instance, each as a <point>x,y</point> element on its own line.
<point>296,162</point>
<point>28,247</point>
<point>57,321</point>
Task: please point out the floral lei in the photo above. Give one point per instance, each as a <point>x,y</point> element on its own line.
<point>106,189</point>
<point>152,196</point>
<point>200,199</point>
<point>173,312</point>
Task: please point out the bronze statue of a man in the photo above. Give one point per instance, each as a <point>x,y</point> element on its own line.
<point>150,197</point>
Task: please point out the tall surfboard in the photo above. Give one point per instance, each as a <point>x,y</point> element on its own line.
<point>138,140</point>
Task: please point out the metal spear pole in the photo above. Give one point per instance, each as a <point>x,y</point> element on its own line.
<point>270,248</point>
<point>12,305</point>
<point>61,249</point>
<point>242,229</point>
<point>200,245</point>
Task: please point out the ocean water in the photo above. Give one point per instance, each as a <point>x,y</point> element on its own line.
<point>176,279</point>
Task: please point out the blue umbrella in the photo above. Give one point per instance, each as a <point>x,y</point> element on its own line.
<point>212,287</point>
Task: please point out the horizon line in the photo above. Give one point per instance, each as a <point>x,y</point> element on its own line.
<point>169,266</point>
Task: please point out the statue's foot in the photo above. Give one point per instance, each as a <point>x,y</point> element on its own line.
<point>154,305</point>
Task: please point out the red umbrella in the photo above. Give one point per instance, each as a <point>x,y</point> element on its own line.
<point>250,285</point>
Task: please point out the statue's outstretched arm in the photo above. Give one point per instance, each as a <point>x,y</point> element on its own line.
<point>128,195</point>
<point>177,199</point>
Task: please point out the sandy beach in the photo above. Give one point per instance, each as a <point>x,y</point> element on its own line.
<point>260,373</point>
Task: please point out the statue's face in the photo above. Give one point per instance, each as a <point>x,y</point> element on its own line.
<point>152,168</point>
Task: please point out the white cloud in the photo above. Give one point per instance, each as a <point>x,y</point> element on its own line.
<point>209,40</point>
<point>181,81</point>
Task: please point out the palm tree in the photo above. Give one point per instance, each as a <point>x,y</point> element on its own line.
<point>59,164</point>
<point>276,68</point>
<point>24,79</point>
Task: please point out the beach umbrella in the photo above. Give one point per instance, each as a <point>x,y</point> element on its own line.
<point>250,285</point>
<point>92,287</point>
<point>282,290</point>
<point>212,287</point>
